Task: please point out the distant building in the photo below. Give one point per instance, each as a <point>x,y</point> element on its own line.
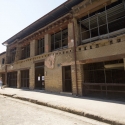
<point>79,47</point>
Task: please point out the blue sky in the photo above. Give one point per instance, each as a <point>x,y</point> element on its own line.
<point>15,15</point>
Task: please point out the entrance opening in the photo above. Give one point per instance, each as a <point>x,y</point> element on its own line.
<point>105,79</point>
<point>67,84</point>
<point>25,78</point>
<point>39,76</point>
<point>12,79</point>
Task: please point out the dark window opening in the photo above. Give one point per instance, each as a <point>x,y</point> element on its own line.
<point>105,72</point>
<point>40,46</point>
<point>59,40</point>
<point>11,58</point>
<point>105,23</point>
<point>25,52</point>
<point>104,79</point>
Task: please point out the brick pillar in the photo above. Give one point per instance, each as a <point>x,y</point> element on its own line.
<point>18,53</point>
<point>7,54</point>
<point>79,79</point>
<point>47,41</point>
<point>73,29</point>
<point>32,48</point>
<point>32,77</point>
<point>70,35</point>
<point>77,31</point>
<point>18,79</point>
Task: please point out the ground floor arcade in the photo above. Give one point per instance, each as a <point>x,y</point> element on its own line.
<point>99,79</point>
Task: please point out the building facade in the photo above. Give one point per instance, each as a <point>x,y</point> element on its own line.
<point>79,48</point>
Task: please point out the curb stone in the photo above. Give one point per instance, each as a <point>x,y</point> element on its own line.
<point>88,115</point>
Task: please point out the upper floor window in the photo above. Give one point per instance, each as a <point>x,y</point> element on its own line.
<point>59,40</point>
<point>104,23</point>
<point>40,46</point>
<point>25,52</point>
<point>11,58</point>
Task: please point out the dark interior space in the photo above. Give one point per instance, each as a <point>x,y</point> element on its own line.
<point>25,78</point>
<point>105,79</point>
<point>12,79</point>
<point>39,76</point>
<point>67,83</point>
<point>105,23</point>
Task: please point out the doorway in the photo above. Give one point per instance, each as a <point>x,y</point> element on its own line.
<point>12,79</point>
<point>67,82</point>
<point>25,78</point>
<point>39,76</point>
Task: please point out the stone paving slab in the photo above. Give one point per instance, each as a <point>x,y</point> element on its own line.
<point>112,112</point>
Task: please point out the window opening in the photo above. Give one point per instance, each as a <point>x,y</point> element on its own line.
<point>105,23</point>
<point>25,52</point>
<point>40,46</point>
<point>59,40</point>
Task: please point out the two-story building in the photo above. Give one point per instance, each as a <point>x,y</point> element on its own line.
<point>79,47</point>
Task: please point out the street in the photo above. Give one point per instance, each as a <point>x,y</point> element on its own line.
<point>17,112</point>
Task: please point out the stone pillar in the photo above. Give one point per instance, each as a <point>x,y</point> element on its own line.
<point>73,33</point>
<point>18,53</point>
<point>7,54</point>
<point>47,43</point>
<point>79,79</point>
<point>32,48</point>
<point>77,31</point>
<point>70,35</point>
<point>32,77</point>
<point>18,79</point>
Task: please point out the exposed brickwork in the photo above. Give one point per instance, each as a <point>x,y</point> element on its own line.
<point>70,35</point>
<point>47,41</point>
<point>53,75</point>
<point>18,79</point>
<point>32,77</point>
<point>18,53</point>
<point>79,79</point>
<point>32,48</point>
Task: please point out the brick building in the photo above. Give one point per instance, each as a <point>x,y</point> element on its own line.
<point>79,47</point>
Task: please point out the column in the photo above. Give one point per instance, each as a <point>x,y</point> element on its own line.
<point>47,41</point>
<point>18,53</point>
<point>18,79</point>
<point>73,33</point>
<point>7,54</point>
<point>79,79</point>
<point>32,77</point>
<point>70,35</point>
<point>32,48</point>
<point>77,31</point>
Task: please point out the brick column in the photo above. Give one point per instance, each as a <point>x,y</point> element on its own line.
<point>79,79</point>
<point>7,54</point>
<point>47,41</point>
<point>32,48</point>
<point>70,35</point>
<point>77,31</point>
<point>18,53</point>
<point>32,77</point>
<point>18,79</point>
<point>73,29</point>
